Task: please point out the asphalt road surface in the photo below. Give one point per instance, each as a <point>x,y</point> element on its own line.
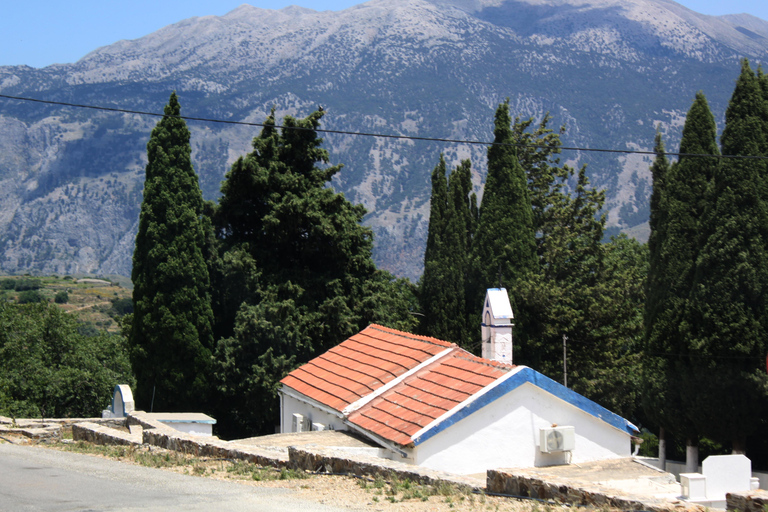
<point>40,479</point>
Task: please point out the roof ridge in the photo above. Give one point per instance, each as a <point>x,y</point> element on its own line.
<point>410,336</point>
<point>465,354</point>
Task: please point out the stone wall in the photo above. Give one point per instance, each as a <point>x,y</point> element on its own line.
<point>98,434</point>
<point>753,501</point>
<point>505,482</point>
<point>211,447</point>
<point>340,462</point>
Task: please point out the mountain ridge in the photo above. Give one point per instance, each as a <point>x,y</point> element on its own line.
<point>610,71</point>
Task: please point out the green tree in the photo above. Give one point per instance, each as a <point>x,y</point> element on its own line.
<point>296,267</point>
<point>724,380</point>
<point>30,296</point>
<point>655,370</point>
<point>49,370</point>
<point>676,243</point>
<point>503,247</point>
<point>443,284</point>
<point>171,328</point>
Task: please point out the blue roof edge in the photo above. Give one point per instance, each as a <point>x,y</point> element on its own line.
<point>528,375</point>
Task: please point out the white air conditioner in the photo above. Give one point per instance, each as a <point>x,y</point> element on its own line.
<point>300,423</point>
<point>317,427</point>
<point>557,439</point>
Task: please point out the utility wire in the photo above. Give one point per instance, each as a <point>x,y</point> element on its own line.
<point>381,135</point>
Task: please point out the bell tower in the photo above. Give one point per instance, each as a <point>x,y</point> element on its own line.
<point>496,328</point>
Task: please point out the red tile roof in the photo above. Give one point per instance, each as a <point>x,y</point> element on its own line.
<point>400,412</point>
<point>362,364</point>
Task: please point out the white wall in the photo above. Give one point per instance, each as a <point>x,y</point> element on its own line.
<point>291,406</point>
<point>505,433</point>
<point>198,429</point>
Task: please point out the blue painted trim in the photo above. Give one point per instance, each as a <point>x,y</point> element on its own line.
<point>122,399</point>
<point>543,382</point>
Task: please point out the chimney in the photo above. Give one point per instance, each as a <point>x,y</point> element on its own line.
<point>497,326</point>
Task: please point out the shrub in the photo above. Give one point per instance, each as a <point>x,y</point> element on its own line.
<point>122,306</point>
<point>30,297</point>
<point>62,297</point>
<point>21,285</point>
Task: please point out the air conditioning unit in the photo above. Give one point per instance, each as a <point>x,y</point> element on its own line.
<point>557,439</point>
<point>317,427</point>
<point>300,423</point>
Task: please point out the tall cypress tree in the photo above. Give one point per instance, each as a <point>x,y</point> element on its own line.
<point>171,331</point>
<point>725,381</point>
<point>504,247</point>
<point>676,233</point>
<point>451,223</point>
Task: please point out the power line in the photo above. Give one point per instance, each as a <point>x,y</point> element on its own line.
<point>380,135</point>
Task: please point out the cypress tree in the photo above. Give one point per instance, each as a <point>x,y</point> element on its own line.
<point>674,251</point>
<point>503,247</point>
<point>655,368</point>
<point>451,222</point>
<point>724,380</point>
<point>171,331</point>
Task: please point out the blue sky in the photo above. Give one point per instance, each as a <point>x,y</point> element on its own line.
<point>43,32</point>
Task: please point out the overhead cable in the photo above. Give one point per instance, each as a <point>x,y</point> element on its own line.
<point>380,135</point>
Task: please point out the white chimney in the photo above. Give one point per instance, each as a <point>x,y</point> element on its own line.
<point>497,326</point>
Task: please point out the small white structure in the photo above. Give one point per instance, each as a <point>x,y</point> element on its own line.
<point>431,403</point>
<point>189,422</point>
<point>720,474</point>
<point>195,423</point>
<point>496,329</point>
<point>122,402</point>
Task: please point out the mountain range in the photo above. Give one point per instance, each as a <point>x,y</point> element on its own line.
<point>609,71</point>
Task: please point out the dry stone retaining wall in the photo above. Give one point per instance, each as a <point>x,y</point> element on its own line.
<point>98,434</point>
<point>340,462</point>
<point>505,482</point>
<point>754,501</point>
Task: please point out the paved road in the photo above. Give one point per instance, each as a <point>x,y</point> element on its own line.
<point>40,479</point>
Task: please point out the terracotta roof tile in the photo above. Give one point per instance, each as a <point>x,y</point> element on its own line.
<point>425,396</point>
<point>362,364</point>
<point>376,356</point>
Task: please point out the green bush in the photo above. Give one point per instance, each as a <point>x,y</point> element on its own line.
<point>62,297</point>
<point>21,285</point>
<point>30,297</point>
<point>122,306</point>
<point>47,369</point>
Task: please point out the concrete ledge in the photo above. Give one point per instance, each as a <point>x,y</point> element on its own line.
<point>338,461</point>
<point>506,482</point>
<point>98,434</point>
<point>42,433</point>
<point>62,422</point>
<point>753,501</point>
<point>171,439</point>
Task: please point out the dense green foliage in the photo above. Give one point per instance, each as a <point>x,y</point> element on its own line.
<point>30,297</point>
<point>171,336</point>
<point>545,244</point>
<point>678,222</point>
<point>47,369</point>
<point>706,320</point>
<point>503,249</point>
<point>294,274</point>
<point>443,290</point>
<point>724,359</point>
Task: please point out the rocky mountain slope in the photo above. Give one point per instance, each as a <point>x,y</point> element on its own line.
<point>609,70</point>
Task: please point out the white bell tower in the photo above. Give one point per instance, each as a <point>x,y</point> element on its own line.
<point>497,326</point>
